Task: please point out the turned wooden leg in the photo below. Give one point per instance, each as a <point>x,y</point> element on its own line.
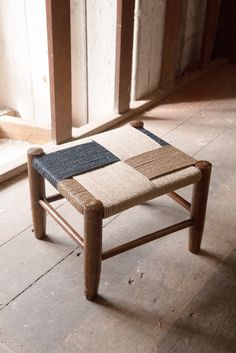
<point>37,192</point>
<point>93,213</point>
<point>198,206</point>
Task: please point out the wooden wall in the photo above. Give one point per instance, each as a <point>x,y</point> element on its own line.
<point>148,44</point>
<point>158,39</point>
<point>24,77</point>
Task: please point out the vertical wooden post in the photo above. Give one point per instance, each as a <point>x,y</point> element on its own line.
<point>93,213</point>
<point>209,32</point>
<point>37,192</point>
<point>124,46</point>
<point>182,38</point>
<point>198,206</point>
<point>59,54</point>
<point>172,42</point>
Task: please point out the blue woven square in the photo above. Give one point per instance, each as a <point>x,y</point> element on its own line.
<point>154,137</point>
<point>72,161</point>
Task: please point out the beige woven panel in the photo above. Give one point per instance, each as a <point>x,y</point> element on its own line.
<point>125,142</point>
<point>160,161</point>
<point>177,180</point>
<point>75,193</point>
<point>118,186</point>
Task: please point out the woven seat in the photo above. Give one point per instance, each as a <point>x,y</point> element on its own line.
<point>121,168</point>
<point>108,173</point>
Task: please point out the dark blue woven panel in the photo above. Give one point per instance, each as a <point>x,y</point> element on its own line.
<point>72,161</point>
<point>154,137</point>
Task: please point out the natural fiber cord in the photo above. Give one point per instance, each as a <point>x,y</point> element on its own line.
<point>118,186</point>
<point>75,193</point>
<point>121,168</point>
<point>154,137</point>
<point>125,142</point>
<point>160,161</point>
<point>71,161</point>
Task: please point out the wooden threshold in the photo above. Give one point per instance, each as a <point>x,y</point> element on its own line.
<point>19,129</point>
<point>13,168</point>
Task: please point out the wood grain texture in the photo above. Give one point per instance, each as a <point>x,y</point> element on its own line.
<point>62,222</point>
<point>198,206</point>
<point>124,46</point>
<point>25,130</point>
<point>37,193</point>
<point>148,45</point>
<point>92,247</point>
<point>59,48</point>
<point>16,167</point>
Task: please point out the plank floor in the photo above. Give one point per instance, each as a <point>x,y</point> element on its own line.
<point>156,298</point>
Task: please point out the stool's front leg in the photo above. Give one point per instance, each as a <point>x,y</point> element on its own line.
<point>37,192</point>
<point>93,213</point>
<point>198,206</point>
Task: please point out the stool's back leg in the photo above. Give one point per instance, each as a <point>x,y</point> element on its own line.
<point>93,213</point>
<point>198,206</point>
<point>37,192</point>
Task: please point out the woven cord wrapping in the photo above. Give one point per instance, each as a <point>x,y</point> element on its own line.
<point>121,168</point>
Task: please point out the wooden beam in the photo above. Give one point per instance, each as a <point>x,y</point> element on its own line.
<point>25,130</point>
<point>182,38</point>
<point>172,42</point>
<point>59,55</point>
<point>13,168</point>
<point>209,32</point>
<point>124,48</point>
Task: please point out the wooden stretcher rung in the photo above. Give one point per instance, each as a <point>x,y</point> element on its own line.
<point>54,198</point>
<point>180,200</point>
<point>62,222</point>
<point>147,238</point>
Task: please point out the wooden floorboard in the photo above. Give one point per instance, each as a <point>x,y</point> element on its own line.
<point>155,298</point>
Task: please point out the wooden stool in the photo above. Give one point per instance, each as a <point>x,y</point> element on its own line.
<point>108,173</point>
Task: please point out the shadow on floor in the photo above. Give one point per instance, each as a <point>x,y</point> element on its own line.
<point>208,323</point>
